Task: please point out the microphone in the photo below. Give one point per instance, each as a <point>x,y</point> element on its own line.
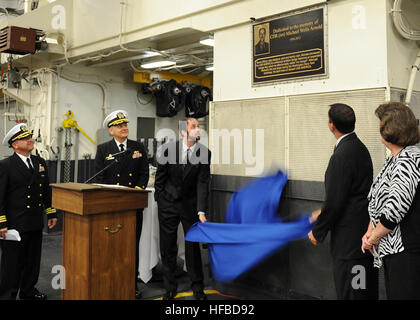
<point>112,156</point>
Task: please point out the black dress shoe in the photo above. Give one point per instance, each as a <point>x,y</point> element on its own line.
<point>36,296</point>
<point>169,295</point>
<point>200,295</point>
<point>138,295</point>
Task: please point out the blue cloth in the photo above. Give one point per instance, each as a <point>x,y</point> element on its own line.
<point>257,202</point>
<point>252,231</point>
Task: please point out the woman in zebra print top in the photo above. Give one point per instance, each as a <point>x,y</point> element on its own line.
<point>393,235</point>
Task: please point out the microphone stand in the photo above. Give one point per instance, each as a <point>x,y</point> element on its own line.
<point>99,172</point>
<point>109,165</point>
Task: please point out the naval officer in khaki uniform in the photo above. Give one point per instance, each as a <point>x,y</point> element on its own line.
<point>132,168</point>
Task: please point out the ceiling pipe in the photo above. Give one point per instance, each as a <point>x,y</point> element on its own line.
<point>406,32</point>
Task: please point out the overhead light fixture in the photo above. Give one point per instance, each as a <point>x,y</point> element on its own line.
<point>51,40</point>
<point>210,67</point>
<point>157,64</point>
<point>208,41</point>
<point>149,54</point>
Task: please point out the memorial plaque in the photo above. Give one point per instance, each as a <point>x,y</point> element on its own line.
<point>289,47</point>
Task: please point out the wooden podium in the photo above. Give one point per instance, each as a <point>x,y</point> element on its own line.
<point>99,233</point>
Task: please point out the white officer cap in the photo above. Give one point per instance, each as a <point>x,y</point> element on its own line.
<point>115,118</point>
<point>19,131</point>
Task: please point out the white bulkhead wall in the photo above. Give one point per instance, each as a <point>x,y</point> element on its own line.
<point>147,19</point>
<point>363,50</point>
<point>92,25</point>
<point>356,55</point>
<point>86,101</point>
<point>142,19</point>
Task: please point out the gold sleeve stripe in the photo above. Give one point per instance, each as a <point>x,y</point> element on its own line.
<point>3,219</point>
<point>50,210</point>
<point>140,188</point>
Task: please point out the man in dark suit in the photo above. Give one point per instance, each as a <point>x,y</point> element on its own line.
<point>181,191</point>
<point>25,195</point>
<point>345,209</point>
<point>262,46</point>
<point>131,170</point>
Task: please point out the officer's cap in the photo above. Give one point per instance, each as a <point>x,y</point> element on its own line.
<point>115,118</point>
<point>19,131</point>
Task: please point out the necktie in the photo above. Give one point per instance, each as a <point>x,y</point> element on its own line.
<point>186,161</point>
<point>122,147</point>
<point>30,165</point>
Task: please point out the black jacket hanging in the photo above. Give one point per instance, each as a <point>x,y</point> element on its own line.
<point>196,100</point>
<point>170,98</point>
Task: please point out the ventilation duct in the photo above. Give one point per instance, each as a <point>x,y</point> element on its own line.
<point>405,15</point>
